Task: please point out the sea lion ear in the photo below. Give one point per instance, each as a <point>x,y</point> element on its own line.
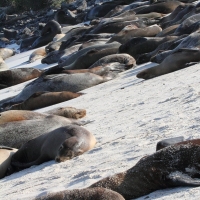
<point>180,179</point>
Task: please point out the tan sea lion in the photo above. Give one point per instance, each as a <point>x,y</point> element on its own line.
<point>172,166</point>
<point>68,112</point>
<point>5,158</point>
<point>83,194</point>
<point>178,60</point>
<point>3,65</point>
<point>19,75</point>
<point>44,99</point>
<point>61,144</point>
<point>37,54</point>
<point>6,53</point>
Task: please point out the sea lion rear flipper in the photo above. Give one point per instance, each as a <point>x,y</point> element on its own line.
<point>180,179</point>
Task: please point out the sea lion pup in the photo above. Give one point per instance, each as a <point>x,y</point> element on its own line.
<point>6,53</point>
<point>3,65</point>
<point>178,60</point>
<point>172,166</point>
<point>125,59</point>
<point>18,115</point>
<point>31,128</point>
<point>129,32</point>
<point>37,54</point>
<point>58,83</point>
<point>44,99</point>
<point>90,57</point>
<point>83,194</point>
<point>68,112</point>
<point>61,144</point>
<point>54,56</point>
<point>5,158</point>
<point>163,7</point>
<point>19,75</point>
<point>48,33</point>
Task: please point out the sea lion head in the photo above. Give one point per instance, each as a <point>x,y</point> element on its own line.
<point>145,75</point>
<point>68,149</point>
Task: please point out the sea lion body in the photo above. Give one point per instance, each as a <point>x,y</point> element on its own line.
<point>5,159</point>
<point>129,32</point>
<point>83,194</point>
<point>29,129</point>
<point>172,166</point>
<point>37,54</point>
<point>44,99</point>
<point>68,112</point>
<point>19,75</point>
<point>61,144</point>
<point>173,62</point>
<point>6,53</point>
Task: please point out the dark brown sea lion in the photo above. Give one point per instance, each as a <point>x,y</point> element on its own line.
<point>172,166</point>
<point>19,75</point>
<point>48,33</point>
<point>68,112</point>
<point>58,83</point>
<point>5,158</point>
<point>178,60</point>
<point>44,99</point>
<point>163,7</point>
<point>83,194</point>
<point>31,128</point>
<point>37,54</point>
<point>129,32</point>
<point>6,53</point>
<point>27,42</point>
<point>61,144</point>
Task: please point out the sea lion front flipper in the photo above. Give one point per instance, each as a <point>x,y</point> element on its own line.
<point>180,179</point>
<point>189,50</point>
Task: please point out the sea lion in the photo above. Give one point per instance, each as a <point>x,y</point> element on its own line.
<point>129,32</point>
<point>163,7</point>
<point>167,142</point>
<point>169,30</point>
<point>5,158</point>
<point>61,144</point>
<point>37,54</point>
<point>83,194</point>
<point>125,59</point>
<point>178,60</point>
<point>19,75</point>
<point>31,128</point>
<point>27,42</point>
<point>3,65</point>
<point>172,166</point>
<point>6,53</point>
<point>48,33</point>
<point>44,99</point>
<point>18,115</point>
<point>92,42</point>
<point>90,57</point>
<point>68,112</point>
<point>58,83</point>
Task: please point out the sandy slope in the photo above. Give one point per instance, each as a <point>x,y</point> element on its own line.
<point>130,116</point>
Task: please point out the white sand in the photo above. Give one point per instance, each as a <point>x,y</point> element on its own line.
<point>130,115</point>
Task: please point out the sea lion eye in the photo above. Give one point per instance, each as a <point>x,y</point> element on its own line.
<point>61,147</point>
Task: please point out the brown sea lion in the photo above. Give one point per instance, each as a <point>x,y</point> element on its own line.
<point>44,99</point>
<point>5,158</point>
<point>129,32</point>
<point>172,166</point>
<point>6,53</point>
<point>37,54</point>
<point>31,128</point>
<point>169,30</point>
<point>173,62</point>
<point>68,112</point>
<point>61,144</point>
<point>19,75</point>
<point>83,194</point>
